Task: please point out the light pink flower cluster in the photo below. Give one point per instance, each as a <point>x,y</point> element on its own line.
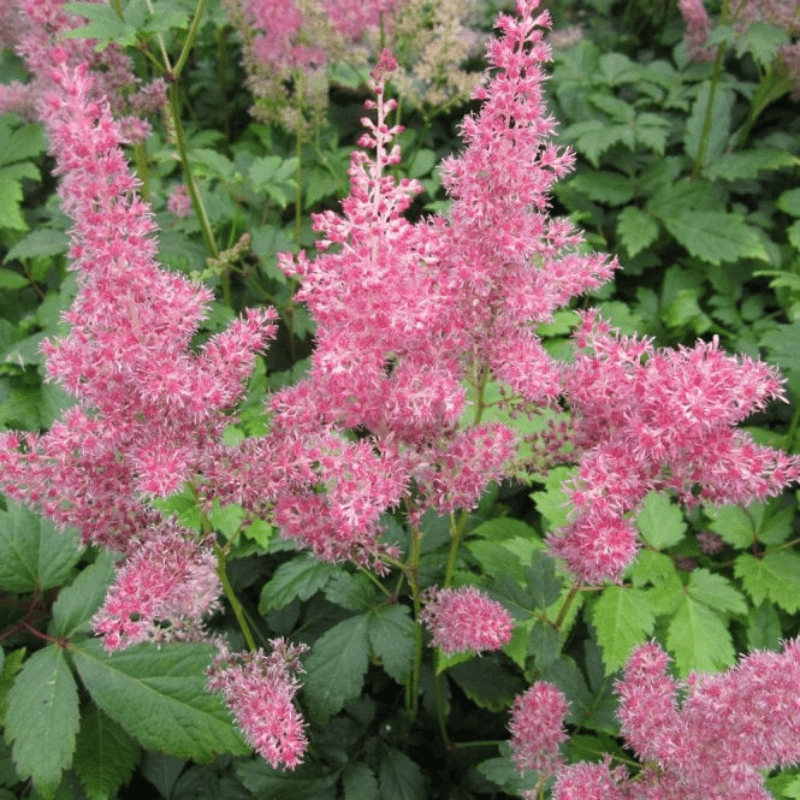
<point>716,742</point>
<point>648,418</point>
<point>465,620</point>
<point>537,728</point>
<point>698,29</point>
<point>149,408</point>
<point>259,689</point>
<point>161,592</point>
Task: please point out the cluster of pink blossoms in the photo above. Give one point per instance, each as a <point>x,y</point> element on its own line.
<point>260,689</point>
<point>647,418</point>
<point>465,620</point>
<point>714,743</point>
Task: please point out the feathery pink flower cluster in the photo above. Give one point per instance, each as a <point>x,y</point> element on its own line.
<point>537,728</point>
<point>465,620</point>
<point>698,29</point>
<point>661,419</point>
<point>715,743</point>
<point>259,689</point>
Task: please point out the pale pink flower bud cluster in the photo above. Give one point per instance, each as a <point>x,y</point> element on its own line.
<point>465,620</point>
<point>259,689</point>
<point>161,592</point>
<point>698,29</point>
<point>537,728</point>
<point>658,419</point>
<point>179,203</point>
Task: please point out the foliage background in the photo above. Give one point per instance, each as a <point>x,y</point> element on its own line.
<point>687,172</point>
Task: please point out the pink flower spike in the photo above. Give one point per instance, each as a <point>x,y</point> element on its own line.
<point>537,728</point>
<point>465,619</point>
<point>259,689</point>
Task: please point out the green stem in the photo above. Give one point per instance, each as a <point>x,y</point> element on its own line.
<point>180,144</point>
<point>706,135</point>
<point>233,599</point>
<point>562,614</point>
<point>412,695</point>
<point>142,170</point>
<point>440,703</point>
<point>456,532</point>
<point>191,36</point>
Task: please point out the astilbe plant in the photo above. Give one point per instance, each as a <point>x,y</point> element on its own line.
<point>414,319</point>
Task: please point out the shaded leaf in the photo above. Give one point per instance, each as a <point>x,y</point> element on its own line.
<point>775,577</point>
<point>391,636</point>
<point>42,718</point>
<point>301,577</point>
<point>159,696</point>
<point>75,605</point>
<point>400,777</point>
<point>636,229</point>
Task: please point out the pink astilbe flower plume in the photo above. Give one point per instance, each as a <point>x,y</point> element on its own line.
<point>259,689</point>
<point>659,419</point>
<point>465,620</point>
<point>537,728</point>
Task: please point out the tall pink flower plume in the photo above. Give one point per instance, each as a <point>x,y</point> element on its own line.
<point>465,620</point>
<point>259,689</point>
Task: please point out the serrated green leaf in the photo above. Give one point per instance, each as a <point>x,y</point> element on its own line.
<point>104,24</point>
<point>636,229</point>
<point>353,592</point>
<point>12,664</point>
<point>699,639</point>
<point>611,188</point>
<point>34,554</point>
<point>105,755</point>
<point>764,628</point>
<point>716,592</point>
<point>400,777</point>
<point>775,577</point>
<point>22,143</point>
<point>391,637</point>
<point>545,645</point>
<point>75,605</point>
<point>762,40</point>
<point>543,585</point>
<point>660,521</point>
<point>12,280</point>
<point>717,136</point>
<point>336,667</point>
<point>652,567</point>
<point>746,164</point>
<point>301,577</point>
<point>622,620</point>
<point>734,525</point>
<point>594,137</point>
<point>212,163</point>
<point>487,683</point>
<point>42,718</point>
<point>41,243</point>
<point>502,772</point>
<point>715,236</point>
<point>161,770</point>
<point>359,783</point>
<point>675,196</point>
<point>159,696</point>
<point>11,194</point>
<point>227,519</point>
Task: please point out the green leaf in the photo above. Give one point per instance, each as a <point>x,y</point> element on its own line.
<point>660,521</point>
<point>747,164</point>
<point>301,577</point>
<point>734,525</point>
<point>75,605</point>
<point>11,280</point>
<point>305,783</point>
<point>104,25</point>
<point>594,137</point>
<point>789,202</point>
<point>353,592</point>
<point>699,639</point>
<point>636,229</point>
<point>161,770</point>
<point>762,40</point>
<point>359,782</point>
<point>715,236</point>
<point>105,755</point>
<point>159,696</point>
<point>652,130</point>
<point>764,628</point>
<point>622,621</point>
<point>487,683</point>
<point>391,636</point>
<point>42,718</point>
<point>775,577</point>
<point>544,586</point>
<point>11,194</point>
<point>716,592</point>
<point>720,130</point>
<point>41,243</point>
<point>611,188</point>
<point>672,197</point>
<point>32,553</point>
<point>22,143</point>
<point>12,664</point>
<point>337,666</point>
<point>400,777</point>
